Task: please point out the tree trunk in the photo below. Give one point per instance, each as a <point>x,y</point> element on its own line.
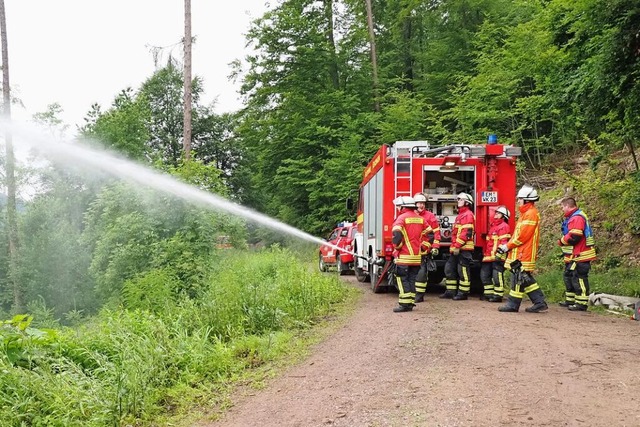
<point>333,66</point>
<point>12,217</point>
<point>187,81</point>
<point>407,34</point>
<point>629,143</point>
<point>374,58</point>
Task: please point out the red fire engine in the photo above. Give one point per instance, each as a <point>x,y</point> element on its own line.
<point>486,171</point>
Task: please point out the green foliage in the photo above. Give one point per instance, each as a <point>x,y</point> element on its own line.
<point>147,124</point>
<point>52,261</point>
<point>22,344</point>
<point>152,361</point>
<point>153,292</point>
<point>123,127</point>
<point>612,280</point>
<point>132,232</point>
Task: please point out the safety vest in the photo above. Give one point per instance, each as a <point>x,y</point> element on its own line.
<point>584,250</point>
<point>588,232</point>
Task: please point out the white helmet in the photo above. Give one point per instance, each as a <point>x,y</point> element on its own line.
<point>466,197</point>
<point>504,211</point>
<point>420,197</point>
<point>528,193</point>
<point>405,201</point>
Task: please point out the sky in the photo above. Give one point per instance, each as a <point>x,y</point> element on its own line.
<point>81,52</point>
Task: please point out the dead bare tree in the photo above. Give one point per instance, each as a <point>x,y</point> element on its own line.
<point>374,57</point>
<point>187,81</point>
<point>12,218</point>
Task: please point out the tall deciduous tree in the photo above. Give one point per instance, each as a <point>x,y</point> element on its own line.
<point>12,218</point>
<point>296,111</point>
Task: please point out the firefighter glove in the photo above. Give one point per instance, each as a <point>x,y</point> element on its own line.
<point>424,248</point>
<point>454,251</point>
<point>435,252</point>
<point>503,249</point>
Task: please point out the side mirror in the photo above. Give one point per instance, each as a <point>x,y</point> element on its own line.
<point>349,204</point>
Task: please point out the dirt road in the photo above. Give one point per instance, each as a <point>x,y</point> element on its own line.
<point>458,363</point>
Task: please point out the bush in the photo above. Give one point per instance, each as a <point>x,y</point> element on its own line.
<point>154,356</point>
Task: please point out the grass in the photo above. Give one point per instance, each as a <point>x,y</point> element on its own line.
<point>178,359</point>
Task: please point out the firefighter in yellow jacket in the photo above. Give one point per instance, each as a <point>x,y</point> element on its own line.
<point>579,250</point>
<point>523,252</point>
<point>492,270</point>
<point>432,221</point>
<point>409,236</point>
<point>457,270</point>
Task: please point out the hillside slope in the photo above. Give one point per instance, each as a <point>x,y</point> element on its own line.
<point>606,188</point>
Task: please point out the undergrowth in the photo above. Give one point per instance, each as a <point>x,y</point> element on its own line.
<point>158,358</point>
<point>607,188</point>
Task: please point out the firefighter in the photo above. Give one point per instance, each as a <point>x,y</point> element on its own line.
<point>492,271</point>
<point>409,239</point>
<point>579,250</point>
<point>523,251</point>
<point>431,219</point>
<point>457,270</point>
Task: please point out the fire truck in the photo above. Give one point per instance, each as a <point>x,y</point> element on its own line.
<point>486,171</point>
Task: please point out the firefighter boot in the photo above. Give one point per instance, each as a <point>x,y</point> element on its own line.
<point>577,307</point>
<point>403,308</point>
<point>419,297</point>
<point>495,298</point>
<point>565,304</point>
<point>460,296</point>
<point>448,294</point>
<point>511,306</point>
<point>539,304</point>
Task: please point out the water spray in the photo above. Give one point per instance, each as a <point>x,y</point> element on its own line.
<point>114,164</point>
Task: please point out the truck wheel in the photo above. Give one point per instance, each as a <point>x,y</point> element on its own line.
<point>321,265</point>
<point>342,269</point>
<point>373,274</point>
<point>361,276</point>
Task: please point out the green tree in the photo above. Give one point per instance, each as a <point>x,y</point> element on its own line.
<point>53,262</point>
<point>296,112</point>
<point>123,127</point>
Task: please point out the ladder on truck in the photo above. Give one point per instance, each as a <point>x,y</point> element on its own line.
<point>404,153</point>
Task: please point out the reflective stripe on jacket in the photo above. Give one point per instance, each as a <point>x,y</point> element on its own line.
<point>410,237</point>
<point>463,230</point>
<point>433,222</point>
<point>525,241</point>
<point>499,234</point>
<point>576,227</point>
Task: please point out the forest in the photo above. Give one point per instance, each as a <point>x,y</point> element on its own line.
<point>107,273</point>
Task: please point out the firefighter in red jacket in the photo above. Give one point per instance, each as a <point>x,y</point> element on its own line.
<point>457,270</point>
<point>431,219</point>
<point>409,237</point>
<point>579,250</point>
<point>492,271</point>
<point>523,252</point>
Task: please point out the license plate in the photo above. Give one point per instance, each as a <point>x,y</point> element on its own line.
<point>489,197</point>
